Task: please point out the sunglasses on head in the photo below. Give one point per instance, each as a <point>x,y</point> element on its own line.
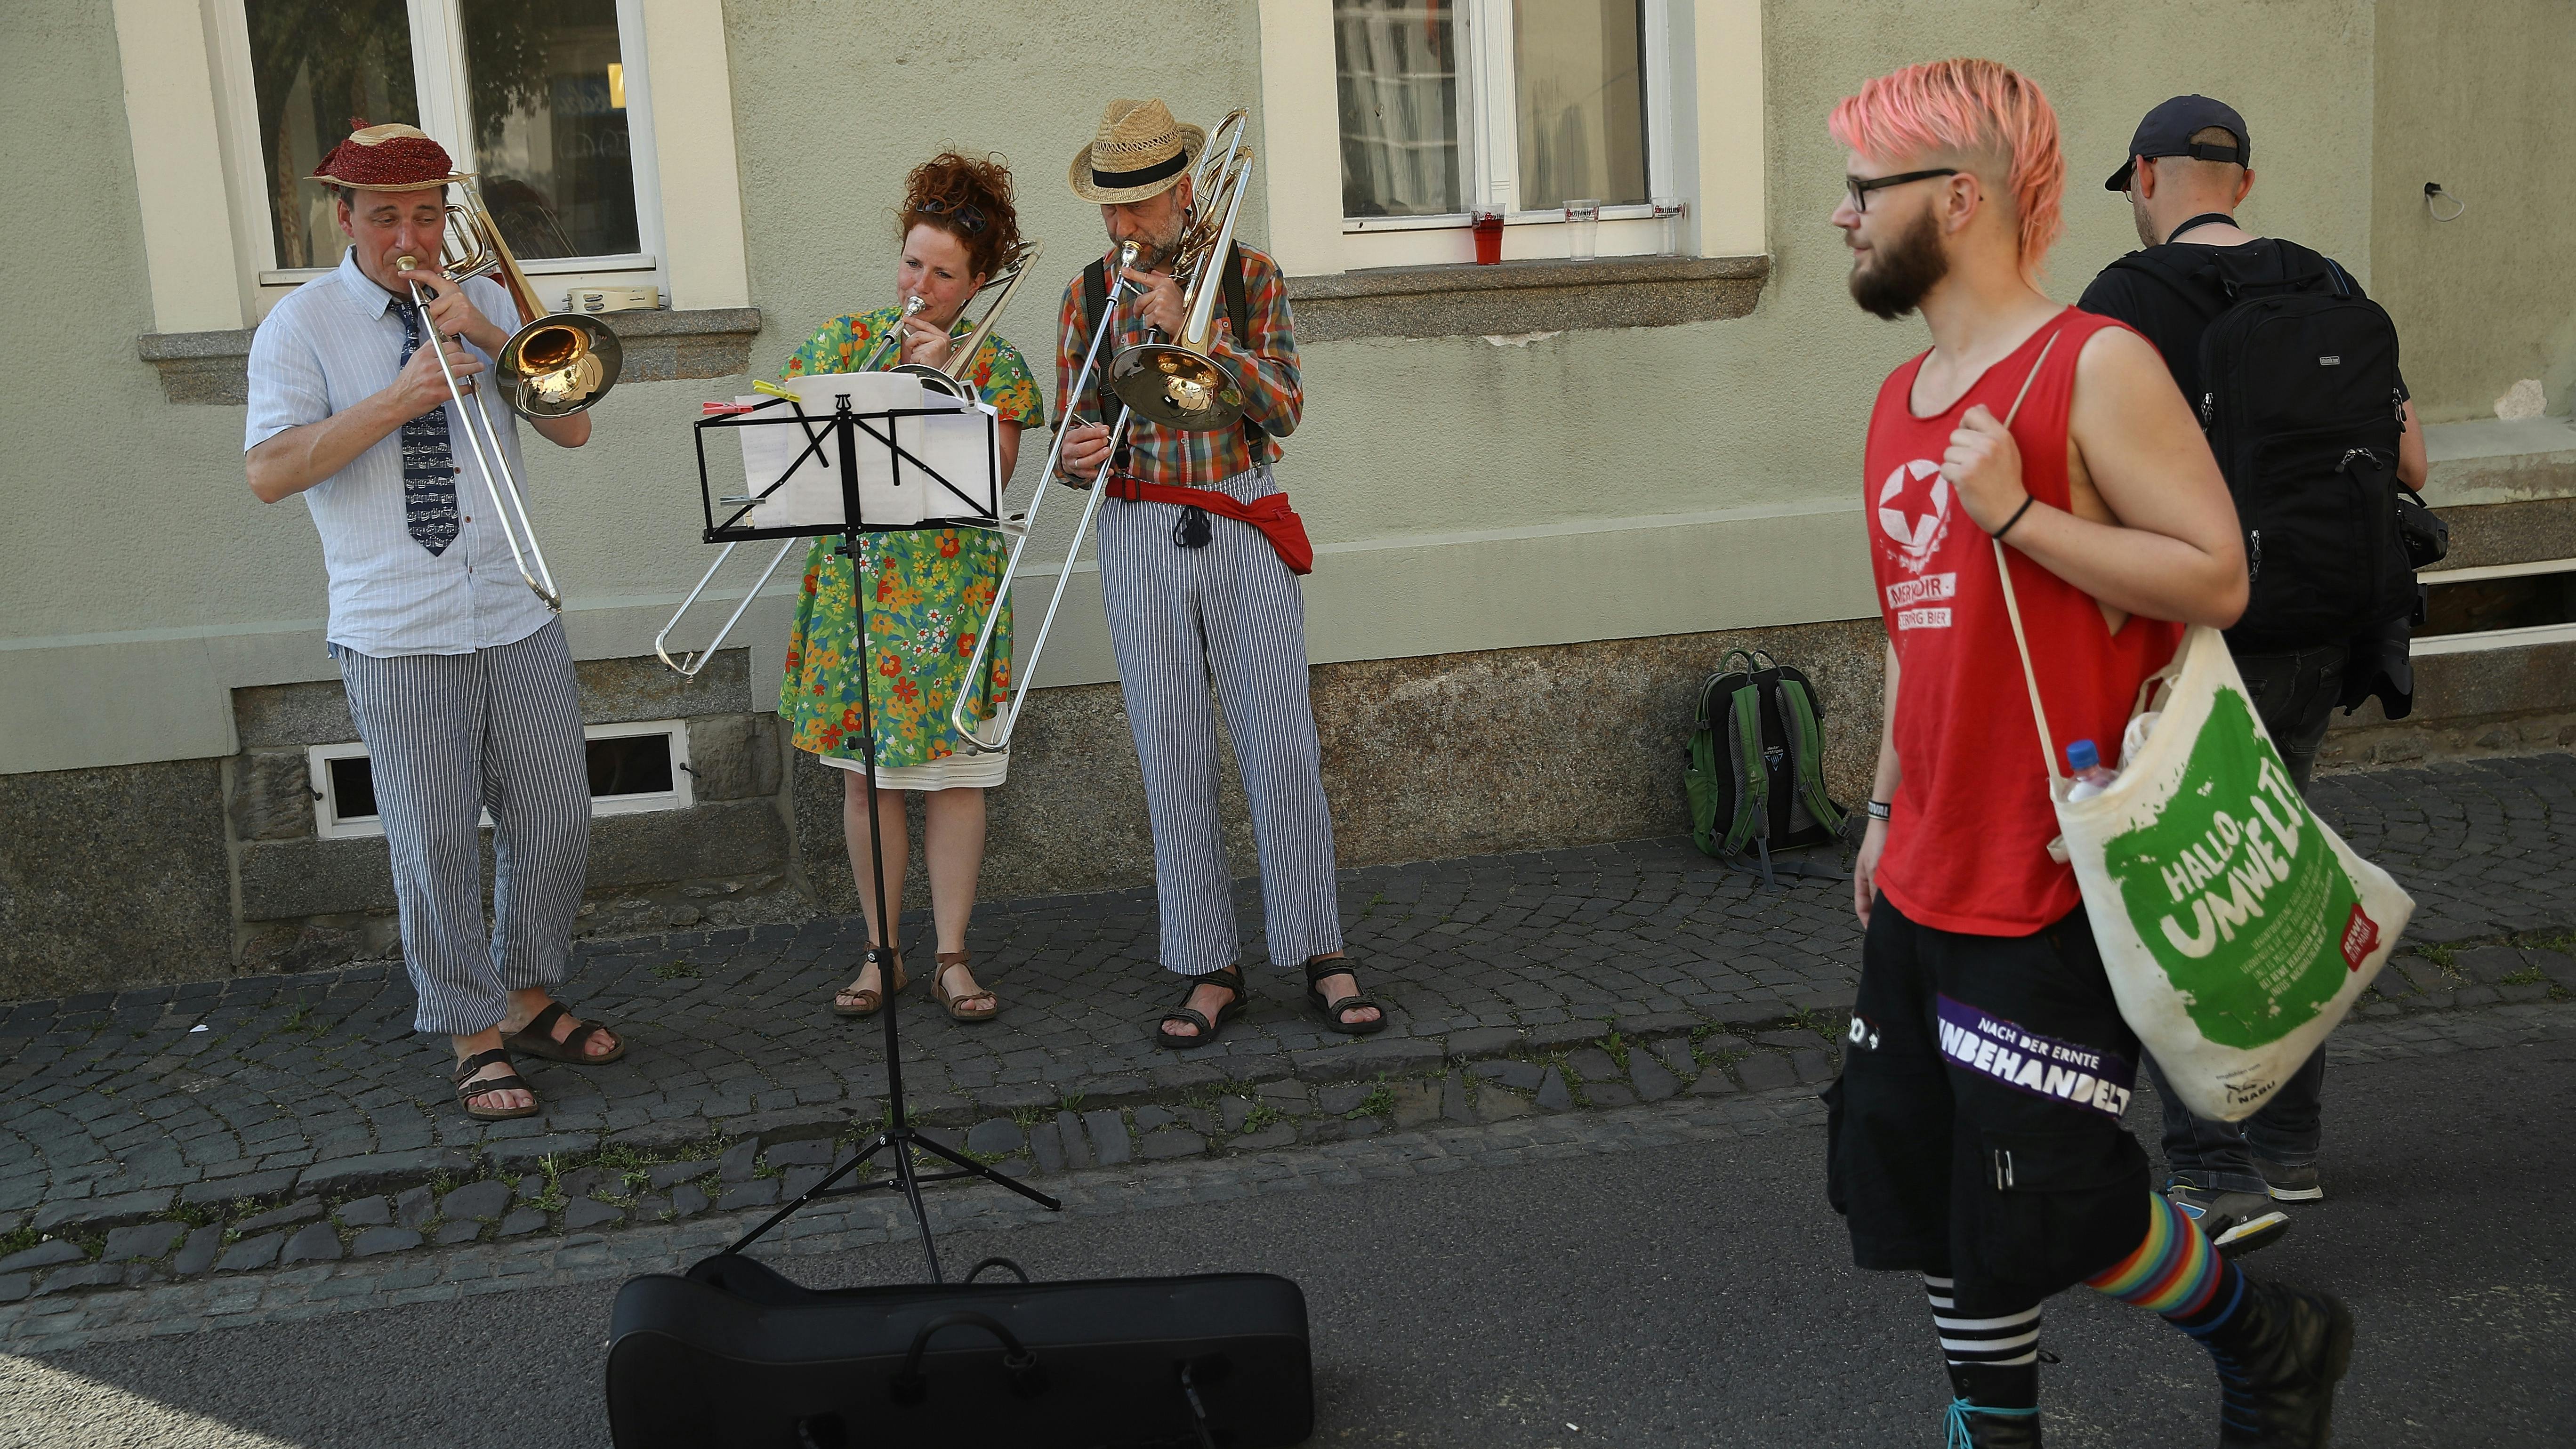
<point>1860,189</point>
<point>965,216</point>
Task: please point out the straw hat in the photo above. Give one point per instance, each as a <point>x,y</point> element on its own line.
<point>1140,152</point>
<point>391,157</point>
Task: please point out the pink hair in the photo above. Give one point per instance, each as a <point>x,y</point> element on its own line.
<point>1967,108</point>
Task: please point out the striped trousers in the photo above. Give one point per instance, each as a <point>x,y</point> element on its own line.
<point>450,736</point>
<point>1231,610</point>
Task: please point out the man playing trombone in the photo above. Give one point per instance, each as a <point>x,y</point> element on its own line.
<point>1197,583</point>
<point>458,675</point>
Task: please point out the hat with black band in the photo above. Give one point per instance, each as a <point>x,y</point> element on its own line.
<point>2168,131</point>
<point>1140,151</point>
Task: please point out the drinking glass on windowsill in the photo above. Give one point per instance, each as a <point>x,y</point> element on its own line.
<point>1488,227</point>
<point>1583,229</point>
<point>1669,211</point>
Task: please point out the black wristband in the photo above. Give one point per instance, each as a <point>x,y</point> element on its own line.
<point>1881,810</point>
<point>2026,502</point>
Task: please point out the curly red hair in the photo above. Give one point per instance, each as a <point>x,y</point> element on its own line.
<point>968,198</point>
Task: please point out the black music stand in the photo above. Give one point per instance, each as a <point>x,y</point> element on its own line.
<point>841,431</point>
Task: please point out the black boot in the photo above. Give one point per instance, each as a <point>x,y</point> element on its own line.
<point>2278,1361</point>
<point>1996,1407</point>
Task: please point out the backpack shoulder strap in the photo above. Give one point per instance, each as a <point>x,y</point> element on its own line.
<point>1238,311</point>
<point>1744,761</point>
<point>1805,733</point>
<point>1095,304</point>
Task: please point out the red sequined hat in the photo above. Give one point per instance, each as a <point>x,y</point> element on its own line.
<point>391,157</point>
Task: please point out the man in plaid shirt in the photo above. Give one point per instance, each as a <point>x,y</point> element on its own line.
<point>1199,558</point>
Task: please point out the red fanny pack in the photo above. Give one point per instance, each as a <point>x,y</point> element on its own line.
<point>1270,513</point>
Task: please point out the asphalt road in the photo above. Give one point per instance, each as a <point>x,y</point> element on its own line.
<point>1688,1296</point>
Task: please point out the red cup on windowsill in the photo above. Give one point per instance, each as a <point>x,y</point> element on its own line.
<point>1488,227</point>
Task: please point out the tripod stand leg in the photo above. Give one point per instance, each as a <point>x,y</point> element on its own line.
<point>811,1193</point>
<point>982,1171</point>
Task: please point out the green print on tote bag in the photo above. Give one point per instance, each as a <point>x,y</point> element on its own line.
<point>2235,892</point>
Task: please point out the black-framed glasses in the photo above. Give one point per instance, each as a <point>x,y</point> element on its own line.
<point>1861,189</point>
<point>966,216</point>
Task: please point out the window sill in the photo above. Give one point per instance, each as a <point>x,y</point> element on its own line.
<point>214,367</point>
<point>1513,298</point>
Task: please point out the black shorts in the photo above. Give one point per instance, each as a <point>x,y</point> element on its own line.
<point>1975,1131</point>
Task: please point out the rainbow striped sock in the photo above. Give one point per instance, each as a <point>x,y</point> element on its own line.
<point>2175,1271</point>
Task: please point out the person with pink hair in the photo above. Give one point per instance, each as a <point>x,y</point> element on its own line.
<point>1976,1134</point>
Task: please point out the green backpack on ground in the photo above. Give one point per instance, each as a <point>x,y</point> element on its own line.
<point>1755,769</point>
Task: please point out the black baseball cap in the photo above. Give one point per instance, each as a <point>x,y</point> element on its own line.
<point>2167,132</point>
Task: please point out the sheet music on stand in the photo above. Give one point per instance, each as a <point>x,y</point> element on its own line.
<point>923,459</point>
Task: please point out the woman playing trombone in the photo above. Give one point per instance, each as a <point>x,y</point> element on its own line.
<point>928,591</point>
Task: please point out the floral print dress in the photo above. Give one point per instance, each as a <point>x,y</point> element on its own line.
<point>928,592</point>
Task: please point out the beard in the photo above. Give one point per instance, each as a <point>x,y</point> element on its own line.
<point>1901,270</point>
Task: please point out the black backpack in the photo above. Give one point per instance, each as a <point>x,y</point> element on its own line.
<point>2303,408</point>
<point>1754,768</point>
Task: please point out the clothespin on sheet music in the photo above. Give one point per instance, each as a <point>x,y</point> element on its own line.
<point>722,409</point>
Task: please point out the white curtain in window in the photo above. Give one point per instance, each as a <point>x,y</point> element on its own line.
<point>1398,82</point>
<point>1582,108</point>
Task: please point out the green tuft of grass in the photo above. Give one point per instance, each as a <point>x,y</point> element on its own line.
<point>680,970</point>
<point>2444,956</point>
<point>2527,976</point>
<point>1379,1102</point>
<point>1263,1114</point>
<point>19,1240</point>
<point>1617,1048</point>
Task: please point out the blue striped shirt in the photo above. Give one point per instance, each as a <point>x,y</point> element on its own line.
<point>331,344</point>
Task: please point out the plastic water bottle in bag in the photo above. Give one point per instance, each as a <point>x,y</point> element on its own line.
<point>2092,777</point>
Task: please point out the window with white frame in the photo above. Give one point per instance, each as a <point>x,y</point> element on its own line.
<point>1515,106</point>
<point>545,104</point>
<point>634,767</point>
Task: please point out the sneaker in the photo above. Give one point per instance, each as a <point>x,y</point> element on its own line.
<point>2236,1223</point>
<point>2291,1184</point>
<point>2278,1366</point>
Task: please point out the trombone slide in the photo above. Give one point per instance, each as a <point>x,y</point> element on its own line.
<point>695,662</point>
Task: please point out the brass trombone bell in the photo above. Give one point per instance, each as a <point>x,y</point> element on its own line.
<point>559,363</point>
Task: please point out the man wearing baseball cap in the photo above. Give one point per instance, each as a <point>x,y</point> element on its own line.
<point>2188,168</point>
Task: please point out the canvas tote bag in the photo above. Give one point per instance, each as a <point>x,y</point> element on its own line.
<point>2237,928</point>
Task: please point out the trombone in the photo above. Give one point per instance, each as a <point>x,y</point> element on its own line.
<point>557,365</point>
<point>968,729</point>
<point>1176,383</point>
<point>946,377</point>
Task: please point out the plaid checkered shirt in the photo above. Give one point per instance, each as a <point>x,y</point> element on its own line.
<point>1265,365</point>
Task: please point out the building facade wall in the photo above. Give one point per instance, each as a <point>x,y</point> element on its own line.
<point>2476,98</point>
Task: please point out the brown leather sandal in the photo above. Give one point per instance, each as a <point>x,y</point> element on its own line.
<point>469,1094</point>
<point>537,1039</point>
<point>855,1003</point>
<point>957,1009</point>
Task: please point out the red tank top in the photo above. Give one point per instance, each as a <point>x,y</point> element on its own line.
<point>1967,849</point>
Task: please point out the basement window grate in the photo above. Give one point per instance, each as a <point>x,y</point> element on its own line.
<point>633,768</point>
<point>2500,606</point>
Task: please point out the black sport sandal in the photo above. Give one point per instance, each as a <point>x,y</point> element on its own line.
<point>1316,971</point>
<point>1229,978</point>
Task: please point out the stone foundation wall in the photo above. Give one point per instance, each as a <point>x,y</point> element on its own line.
<point>197,869</point>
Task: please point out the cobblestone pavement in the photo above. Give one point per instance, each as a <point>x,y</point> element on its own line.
<point>206,1144</point>
<point>164,1306</point>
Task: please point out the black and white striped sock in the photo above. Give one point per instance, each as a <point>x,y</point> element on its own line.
<point>2006,1342</point>
<point>1993,1361</point>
